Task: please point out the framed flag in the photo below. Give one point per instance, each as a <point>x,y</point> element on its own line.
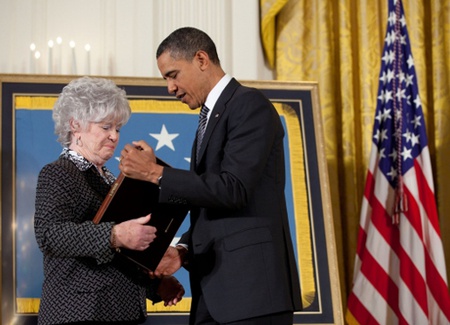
<point>28,143</point>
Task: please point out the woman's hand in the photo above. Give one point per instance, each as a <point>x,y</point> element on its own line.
<point>134,234</point>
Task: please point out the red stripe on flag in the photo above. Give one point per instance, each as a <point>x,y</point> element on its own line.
<point>370,186</point>
<point>359,312</point>
<point>383,222</point>
<point>435,280</point>
<point>361,244</point>
<point>381,281</point>
<point>427,199</point>
<point>408,270</point>
<point>437,286</point>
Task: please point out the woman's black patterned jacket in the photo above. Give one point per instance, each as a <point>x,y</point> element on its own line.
<point>82,277</point>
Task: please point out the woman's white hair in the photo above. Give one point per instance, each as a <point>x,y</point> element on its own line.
<point>86,100</point>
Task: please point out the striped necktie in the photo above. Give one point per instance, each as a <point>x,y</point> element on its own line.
<point>203,118</point>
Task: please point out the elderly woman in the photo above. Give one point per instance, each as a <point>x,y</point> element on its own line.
<point>84,279</point>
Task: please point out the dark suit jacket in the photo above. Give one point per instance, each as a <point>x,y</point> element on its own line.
<point>240,248</point>
<point>82,278</point>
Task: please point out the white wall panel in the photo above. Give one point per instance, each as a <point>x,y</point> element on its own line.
<point>124,34</point>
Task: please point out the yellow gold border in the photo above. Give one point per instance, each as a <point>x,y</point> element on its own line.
<point>31,306</point>
<point>300,201</point>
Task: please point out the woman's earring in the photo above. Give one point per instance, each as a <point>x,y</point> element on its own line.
<point>78,141</point>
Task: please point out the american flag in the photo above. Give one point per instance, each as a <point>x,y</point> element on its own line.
<point>399,274</point>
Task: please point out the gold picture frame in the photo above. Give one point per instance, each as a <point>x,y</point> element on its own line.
<point>27,136</point>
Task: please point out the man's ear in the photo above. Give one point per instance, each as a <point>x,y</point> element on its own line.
<point>203,59</point>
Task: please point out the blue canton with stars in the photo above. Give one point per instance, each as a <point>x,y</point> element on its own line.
<point>399,128</point>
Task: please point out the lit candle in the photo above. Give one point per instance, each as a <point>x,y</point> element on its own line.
<point>87,47</point>
<point>32,49</point>
<point>37,55</point>
<point>59,42</point>
<point>50,57</point>
<point>74,61</point>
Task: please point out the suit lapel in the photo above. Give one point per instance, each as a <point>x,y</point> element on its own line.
<point>216,114</point>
